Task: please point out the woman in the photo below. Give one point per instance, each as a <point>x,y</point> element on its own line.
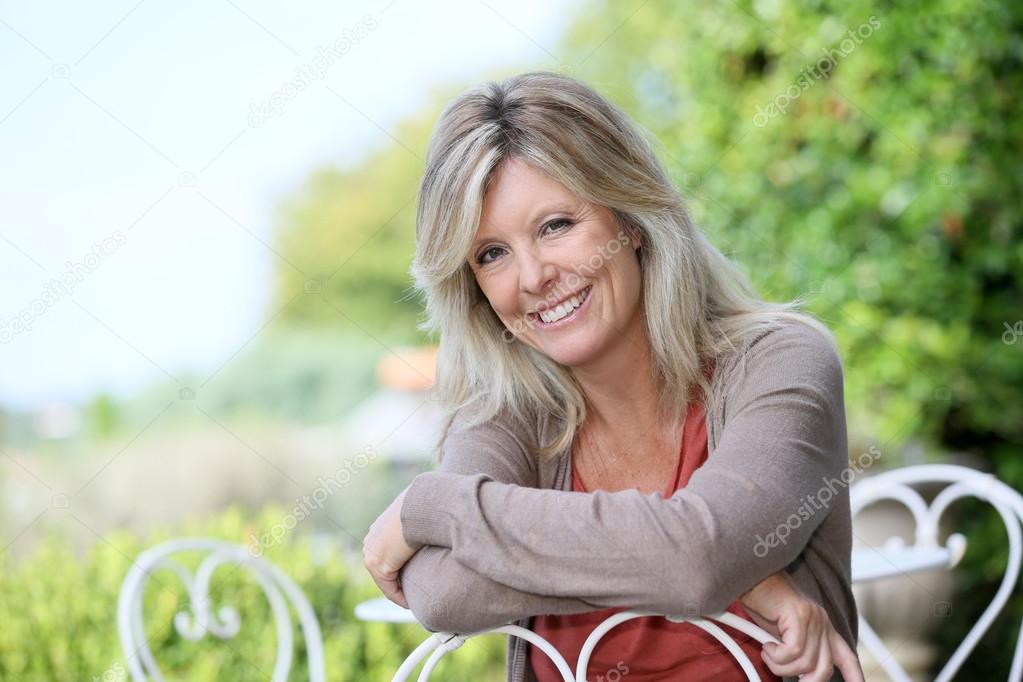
<point>631,426</point>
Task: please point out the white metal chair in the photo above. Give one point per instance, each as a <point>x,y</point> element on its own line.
<point>280,590</point>
<point>926,552</point>
<point>438,644</point>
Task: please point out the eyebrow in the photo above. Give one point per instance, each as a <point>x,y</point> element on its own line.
<point>548,209</point>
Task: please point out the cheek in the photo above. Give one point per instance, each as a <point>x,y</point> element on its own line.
<point>626,274</point>
<point>500,290</point>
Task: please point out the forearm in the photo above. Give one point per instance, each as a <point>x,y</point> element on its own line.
<point>448,596</point>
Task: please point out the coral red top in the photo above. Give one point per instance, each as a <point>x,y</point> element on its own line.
<point>651,648</point>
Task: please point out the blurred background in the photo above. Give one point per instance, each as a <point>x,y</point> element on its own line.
<point>206,316</point>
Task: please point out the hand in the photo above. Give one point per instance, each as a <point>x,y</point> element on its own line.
<point>810,647</point>
<point>384,551</point>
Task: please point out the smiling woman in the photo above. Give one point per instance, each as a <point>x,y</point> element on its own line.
<point>627,416</point>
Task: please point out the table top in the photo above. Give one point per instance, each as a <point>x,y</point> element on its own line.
<point>383,610</point>
<point>872,563</point>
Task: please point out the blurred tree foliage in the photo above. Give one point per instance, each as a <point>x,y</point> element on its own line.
<point>354,231</point>
<point>886,191</point>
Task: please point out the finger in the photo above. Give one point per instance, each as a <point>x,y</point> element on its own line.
<point>399,596</point>
<point>796,637</point>
<point>816,642</point>
<point>803,664</point>
<point>846,660</point>
<point>822,671</point>
<point>391,589</point>
<point>793,641</point>
<point>795,661</point>
<point>378,564</point>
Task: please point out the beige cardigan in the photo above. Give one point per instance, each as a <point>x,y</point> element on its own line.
<point>501,537</point>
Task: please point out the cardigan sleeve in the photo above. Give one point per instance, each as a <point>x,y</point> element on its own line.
<point>747,513</point>
<point>448,595</point>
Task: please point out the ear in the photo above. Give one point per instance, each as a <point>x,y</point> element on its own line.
<point>633,233</point>
<point>635,237</point>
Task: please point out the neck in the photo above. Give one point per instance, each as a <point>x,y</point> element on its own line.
<point>620,394</point>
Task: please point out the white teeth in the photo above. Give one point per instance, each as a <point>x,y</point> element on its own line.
<point>562,310</point>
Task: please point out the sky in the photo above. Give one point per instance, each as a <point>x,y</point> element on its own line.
<point>146,145</point>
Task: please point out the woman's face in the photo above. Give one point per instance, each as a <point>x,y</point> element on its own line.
<point>561,274</point>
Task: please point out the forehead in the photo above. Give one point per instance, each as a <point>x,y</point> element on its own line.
<point>519,194</point>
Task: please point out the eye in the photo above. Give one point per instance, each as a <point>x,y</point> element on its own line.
<point>565,222</point>
<point>557,225</point>
<point>482,258</point>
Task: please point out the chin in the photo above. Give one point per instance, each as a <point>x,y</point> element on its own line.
<point>567,351</point>
<point>571,354</point>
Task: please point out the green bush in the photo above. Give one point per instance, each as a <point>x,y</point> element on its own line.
<point>58,614</point>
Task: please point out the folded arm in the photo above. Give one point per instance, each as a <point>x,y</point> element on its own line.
<point>448,595</point>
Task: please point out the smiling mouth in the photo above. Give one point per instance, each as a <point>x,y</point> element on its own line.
<point>562,310</point>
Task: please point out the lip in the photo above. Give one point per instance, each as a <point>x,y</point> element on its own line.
<point>554,305</point>
<point>572,317</point>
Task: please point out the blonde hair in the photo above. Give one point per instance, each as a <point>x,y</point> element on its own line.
<point>698,305</point>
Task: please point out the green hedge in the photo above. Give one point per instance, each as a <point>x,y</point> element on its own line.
<point>58,614</point>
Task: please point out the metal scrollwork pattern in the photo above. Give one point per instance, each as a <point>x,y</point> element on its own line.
<point>281,592</point>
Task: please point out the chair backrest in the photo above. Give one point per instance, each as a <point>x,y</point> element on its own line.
<point>440,643</point>
<point>281,592</point>
<point>960,482</point>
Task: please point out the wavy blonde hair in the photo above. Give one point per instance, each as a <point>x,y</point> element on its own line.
<point>698,305</point>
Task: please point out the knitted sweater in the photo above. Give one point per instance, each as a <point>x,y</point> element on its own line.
<point>501,537</point>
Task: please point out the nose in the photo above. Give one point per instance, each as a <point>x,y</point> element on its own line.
<point>536,274</point>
